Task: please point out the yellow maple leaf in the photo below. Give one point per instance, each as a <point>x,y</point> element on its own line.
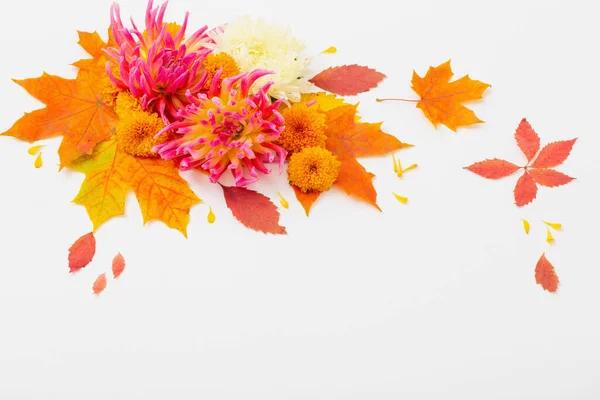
<point>111,174</point>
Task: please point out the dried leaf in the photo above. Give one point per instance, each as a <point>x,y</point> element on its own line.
<point>99,284</point>
<point>526,190</point>
<point>493,169</point>
<point>75,109</point>
<point>93,44</point>
<point>545,275</point>
<point>306,199</point>
<point>324,101</point>
<point>401,199</point>
<point>356,181</point>
<point>550,177</point>
<point>110,174</point>
<point>347,80</point>
<point>82,252</point>
<point>284,203</point>
<point>35,149</point>
<point>553,154</point>
<point>441,99</point>
<point>329,50</point>
<point>549,237</point>
<point>527,140</point>
<point>253,209</point>
<point>211,218</point>
<point>118,265</point>
<point>38,161</point>
<point>553,225</point>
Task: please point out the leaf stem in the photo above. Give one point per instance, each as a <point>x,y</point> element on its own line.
<point>396,99</point>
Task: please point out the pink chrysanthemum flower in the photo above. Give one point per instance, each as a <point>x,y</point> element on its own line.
<point>158,66</point>
<point>228,129</point>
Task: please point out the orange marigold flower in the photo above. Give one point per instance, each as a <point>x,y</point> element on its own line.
<point>314,169</point>
<point>304,127</point>
<point>214,62</point>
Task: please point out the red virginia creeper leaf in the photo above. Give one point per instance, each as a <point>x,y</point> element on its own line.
<point>99,284</point>
<point>118,265</point>
<point>493,169</point>
<point>82,252</point>
<point>527,139</point>
<point>545,274</point>
<point>554,154</point>
<point>526,190</point>
<point>549,177</point>
<point>253,209</point>
<point>347,80</point>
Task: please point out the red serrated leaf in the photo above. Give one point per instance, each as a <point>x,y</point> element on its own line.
<point>253,209</point>
<point>526,190</point>
<point>545,274</point>
<point>493,169</point>
<point>118,265</point>
<point>99,284</point>
<point>554,154</point>
<point>527,139</point>
<point>82,252</point>
<point>347,80</point>
<point>550,177</point>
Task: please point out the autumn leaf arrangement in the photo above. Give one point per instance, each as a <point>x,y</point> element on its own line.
<point>232,102</point>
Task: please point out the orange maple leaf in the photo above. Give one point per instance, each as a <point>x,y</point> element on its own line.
<point>537,171</point>
<point>74,108</point>
<point>93,44</point>
<point>441,99</point>
<point>306,199</point>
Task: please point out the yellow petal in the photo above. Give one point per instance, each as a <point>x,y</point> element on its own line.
<point>395,163</point>
<point>34,149</point>
<point>211,216</point>
<point>38,161</point>
<point>401,199</point>
<point>329,50</point>
<point>284,203</point>
<point>553,225</point>
<point>549,237</point>
<point>413,166</point>
<point>526,226</point>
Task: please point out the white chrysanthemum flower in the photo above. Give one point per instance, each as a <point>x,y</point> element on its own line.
<point>255,44</point>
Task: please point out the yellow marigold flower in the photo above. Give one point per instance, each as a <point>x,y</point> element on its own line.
<point>136,130</point>
<point>214,62</point>
<point>314,169</point>
<point>304,127</point>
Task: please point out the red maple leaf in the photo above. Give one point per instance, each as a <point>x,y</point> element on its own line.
<point>537,171</point>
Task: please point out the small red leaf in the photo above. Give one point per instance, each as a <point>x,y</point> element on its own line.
<point>347,80</point>
<point>493,169</point>
<point>99,284</point>
<point>82,252</point>
<point>554,154</point>
<point>526,190</point>
<point>253,209</point>
<point>118,265</point>
<point>527,139</point>
<point>549,177</point>
<point>545,275</point>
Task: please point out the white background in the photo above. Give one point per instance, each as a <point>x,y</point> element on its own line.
<point>431,300</point>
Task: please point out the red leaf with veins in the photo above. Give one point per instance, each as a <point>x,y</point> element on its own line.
<point>527,139</point>
<point>526,190</point>
<point>550,177</point>
<point>553,154</point>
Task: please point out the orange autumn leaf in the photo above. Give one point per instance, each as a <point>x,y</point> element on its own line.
<point>118,265</point>
<point>356,181</point>
<point>347,80</point>
<point>99,284</point>
<point>252,209</point>
<point>538,168</point>
<point>74,109</point>
<point>111,174</point>
<point>93,44</point>
<point>545,275</point>
<point>82,252</point>
<point>306,199</point>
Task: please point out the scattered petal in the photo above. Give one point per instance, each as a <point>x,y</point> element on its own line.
<point>329,50</point>
<point>545,274</point>
<point>284,203</point>
<point>412,166</point>
<point>35,149</point>
<point>549,237</point>
<point>401,199</point>
<point>38,161</point>
<point>526,226</point>
<point>118,265</point>
<point>553,225</point>
<point>211,216</point>
<point>82,252</point>
<point>99,284</point>
<point>397,166</point>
